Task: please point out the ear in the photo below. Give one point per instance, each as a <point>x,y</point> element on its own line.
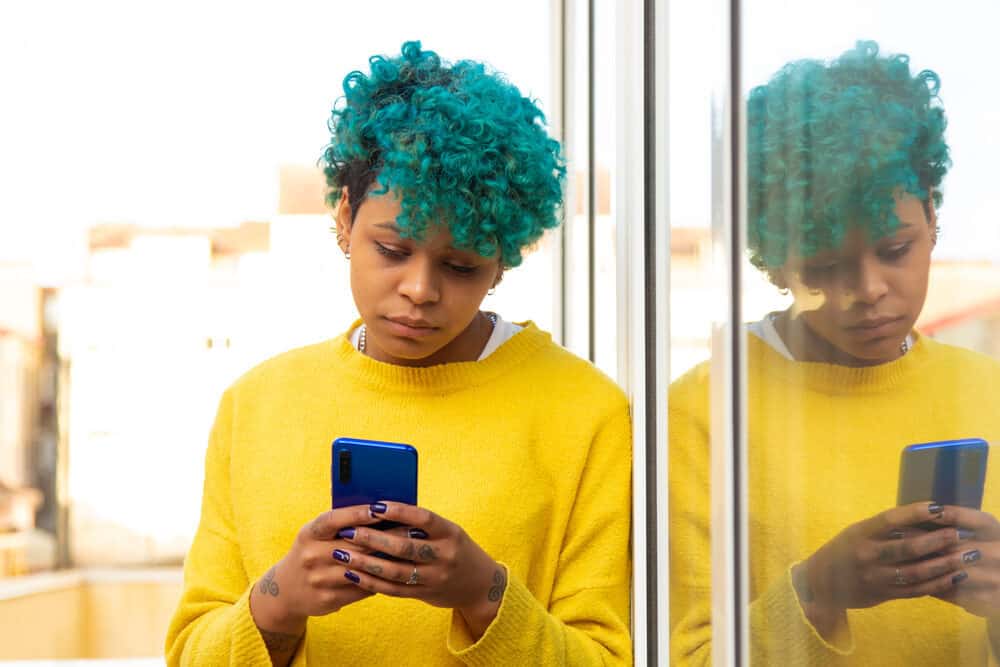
<point>342,218</point>
<point>499,277</point>
<point>932,220</point>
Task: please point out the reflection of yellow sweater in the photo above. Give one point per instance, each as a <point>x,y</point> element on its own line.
<point>824,447</point>
<point>528,450</point>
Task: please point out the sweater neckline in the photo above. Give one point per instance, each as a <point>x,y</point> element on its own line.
<point>440,378</point>
<point>836,379</point>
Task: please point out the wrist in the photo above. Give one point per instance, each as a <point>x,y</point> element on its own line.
<point>827,618</point>
<point>479,613</point>
<point>271,613</point>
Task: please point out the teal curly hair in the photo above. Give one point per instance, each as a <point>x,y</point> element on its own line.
<point>456,142</point>
<point>830,146</point>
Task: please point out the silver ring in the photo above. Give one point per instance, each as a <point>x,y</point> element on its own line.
<point>414,579</point>
<point>899,580</point>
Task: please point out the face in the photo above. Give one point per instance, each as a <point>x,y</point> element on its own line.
<point>863,299</point>
<point>419,300</point>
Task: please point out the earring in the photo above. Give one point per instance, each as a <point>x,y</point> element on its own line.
<point>491,291</point>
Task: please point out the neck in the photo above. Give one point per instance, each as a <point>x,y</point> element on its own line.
<point>806,345</point>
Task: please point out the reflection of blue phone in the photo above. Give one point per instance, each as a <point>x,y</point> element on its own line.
<point>951,472</point>
<point>366,471</point>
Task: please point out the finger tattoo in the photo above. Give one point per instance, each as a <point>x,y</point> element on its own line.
<point>427,553</point>
<point>887,554</point>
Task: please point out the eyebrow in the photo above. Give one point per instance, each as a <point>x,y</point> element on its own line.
<point>393,227</point>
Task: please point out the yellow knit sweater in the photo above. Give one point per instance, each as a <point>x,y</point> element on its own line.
<point>528,450</point>
<point>824,448</point>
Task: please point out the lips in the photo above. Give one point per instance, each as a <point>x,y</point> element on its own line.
<point>875,327</point>
<point>409,327</point>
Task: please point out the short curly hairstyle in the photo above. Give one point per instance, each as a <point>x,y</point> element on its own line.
<point>456,142</point>
<point>831,145</point>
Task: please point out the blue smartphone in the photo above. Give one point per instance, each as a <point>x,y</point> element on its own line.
<point>366,471</point>
<point>949,472</point>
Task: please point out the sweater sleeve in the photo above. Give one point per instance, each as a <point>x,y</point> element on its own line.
<point>212,624</point>
<point>780,633</point>
<point>587,620</point>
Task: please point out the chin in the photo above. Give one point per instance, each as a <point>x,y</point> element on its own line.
<point>877,352</point>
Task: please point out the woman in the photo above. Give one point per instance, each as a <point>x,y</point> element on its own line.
<point>441,175</point>
<point>845,163</point>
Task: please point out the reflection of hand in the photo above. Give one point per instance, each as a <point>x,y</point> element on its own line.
<point>443,566</point>
<point>306,582</point>
<point>878,559</point>
<point>978,589</point>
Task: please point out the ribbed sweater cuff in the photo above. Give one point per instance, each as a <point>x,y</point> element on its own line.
<point>246,644</point>
<point>504,636</point>
<point>788,636</point>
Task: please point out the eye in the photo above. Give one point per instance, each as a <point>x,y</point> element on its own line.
<point>819,271</point>
<point>462,269</point>
<point>389,252</point>
<point>896,251</point>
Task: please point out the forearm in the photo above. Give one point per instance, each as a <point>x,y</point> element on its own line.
<point>479,615</point>
<point>588,628</point>
<point>830,623</point>
<point>280,630</point>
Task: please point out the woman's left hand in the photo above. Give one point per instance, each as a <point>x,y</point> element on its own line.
<point>442,565</point>
<point>978,592</point>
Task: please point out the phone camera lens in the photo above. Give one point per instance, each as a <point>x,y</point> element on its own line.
<point>345,467</point>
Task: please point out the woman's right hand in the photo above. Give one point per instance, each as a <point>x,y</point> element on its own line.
<point>878,559</point>
<point>308,580</point>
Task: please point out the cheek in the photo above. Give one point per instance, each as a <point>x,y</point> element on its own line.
<point>808,299</point>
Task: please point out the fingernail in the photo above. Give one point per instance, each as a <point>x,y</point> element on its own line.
<point>346,533</point>
<point>350,576</point>
<point>897,534</point>
<point>966,534</point>
<point>971,556</point>
<point>417,534</point>
<point>959,578</point>
<point>935,508</point>
<point>342,555</point>
<point>377,508</point>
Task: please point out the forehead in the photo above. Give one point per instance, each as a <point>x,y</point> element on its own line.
<point>378,214</point>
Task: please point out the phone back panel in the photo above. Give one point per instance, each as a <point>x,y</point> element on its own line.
<point>374,471</point>
<point>951,472</point>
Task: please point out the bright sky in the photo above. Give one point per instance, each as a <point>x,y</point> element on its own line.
<point>179,113</point>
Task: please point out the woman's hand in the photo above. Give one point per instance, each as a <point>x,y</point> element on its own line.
<point>441,565</point>
<point>978,591</point>
<point>308,581</point>
<point>883,558</point>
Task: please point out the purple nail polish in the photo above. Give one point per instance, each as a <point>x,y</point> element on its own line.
<point>966,534</point>
<point>971,556</point>
<point>350,576</point>
<point>377,508</point>
<point>935,508</point>
<point>346,533</point>
<point>959,578</point>
<point>417,534</point>
<point>342,555</point>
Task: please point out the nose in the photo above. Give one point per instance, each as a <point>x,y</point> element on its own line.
<point>419,282</point>
<point>870,283</point>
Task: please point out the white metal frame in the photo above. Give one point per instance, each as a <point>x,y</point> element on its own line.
<point>643,270</point>
<point>728,480</point>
